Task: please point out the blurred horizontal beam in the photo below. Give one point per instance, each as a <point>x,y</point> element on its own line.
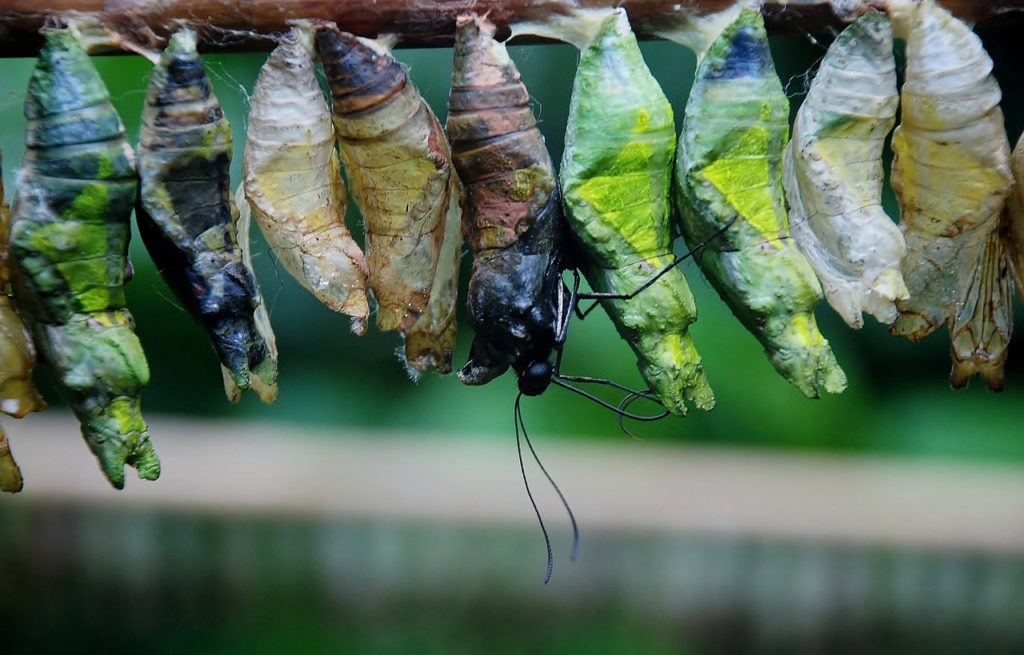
<point>267,469</point>
<point>245,24</point>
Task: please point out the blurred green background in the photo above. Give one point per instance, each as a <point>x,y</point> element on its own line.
<point>898,401</point>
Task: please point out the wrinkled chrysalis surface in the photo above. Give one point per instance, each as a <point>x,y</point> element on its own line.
<point>69,245</point>
<point>513,212</point>
<point>833,174</point>
<point>616,175</point>
<point>400,176</point>
<point>292,180</point>
<point>951,175</point>
<point>189,222</point>
<point>18,395</point>
<point>729,176</point>
<point>1013,226</point>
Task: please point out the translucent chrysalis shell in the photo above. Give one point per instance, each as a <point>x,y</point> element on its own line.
<point>951,175</point>
<point>18,395</point>
<point>400,176</point>
<point>833,174</point>
<point>292,180</point>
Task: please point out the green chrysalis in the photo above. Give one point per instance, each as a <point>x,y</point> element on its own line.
<point>69,245</point>
<point>616,173</point>
<point>729,173</point>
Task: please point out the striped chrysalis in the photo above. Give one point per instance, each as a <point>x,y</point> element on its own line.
<point>400,176</point>
<point>189,221</point>
<point>69,245</point>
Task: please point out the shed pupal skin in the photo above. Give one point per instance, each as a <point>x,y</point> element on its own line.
<point>1013,224</point>
<point>833,174</point>
<point>729,176</point>
<point>292,180</point>
<point>512,215</point>
<point>616,178</point>
<point>951,175</point>
<point>981,329</point>
<point>400,176</point>
<point>69,246</point>
<point>18,395</point>
<point>1003,264</point>
<point>190,223</point>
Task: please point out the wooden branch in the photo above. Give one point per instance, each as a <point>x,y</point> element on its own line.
<point>233,25</point>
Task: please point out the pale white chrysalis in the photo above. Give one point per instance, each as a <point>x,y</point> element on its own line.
<point>292,180</point>
<point>833,174</point>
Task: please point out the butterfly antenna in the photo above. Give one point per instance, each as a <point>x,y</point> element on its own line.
<point>518,419</point>
<point>693,252</point>
<point>623,406</point>
<point>572,517</point>
<point>646,394</point>
<point>619,411</point>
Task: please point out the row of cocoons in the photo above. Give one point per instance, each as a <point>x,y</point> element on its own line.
<point>774,223</point>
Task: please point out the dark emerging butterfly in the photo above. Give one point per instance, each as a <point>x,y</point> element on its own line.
<point>519,306</point>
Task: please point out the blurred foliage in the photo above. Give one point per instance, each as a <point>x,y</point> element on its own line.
<point>89,580</point>
<point>898,397</point>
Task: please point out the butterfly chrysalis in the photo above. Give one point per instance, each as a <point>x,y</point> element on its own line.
<point>729,173</point>
<point>951,175</point>
<point>833,174</point>
<point>190,223</point>
<point>69,245</point>
<point>292,180</point>
<point>400,175</point>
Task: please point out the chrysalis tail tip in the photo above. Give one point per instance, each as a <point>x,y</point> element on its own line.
<point>19,397</point>
<point>10,475</point>
<point>146,463</point>
<point>991,371</point>
<point>262,380</point>
<point>911,325</point>
<point>11,481</point>
<point>358,325</point>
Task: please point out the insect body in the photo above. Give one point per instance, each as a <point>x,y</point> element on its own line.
<point>729,170</point>
<point>69,244</point>
<point>293,180</point>
<point>399,171</point>
<point>951,175</point>
<point>18,395</point>
<point>512,218</point>
<point>190,224</point>
<point>833,174</point>
<point>616,173</point>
